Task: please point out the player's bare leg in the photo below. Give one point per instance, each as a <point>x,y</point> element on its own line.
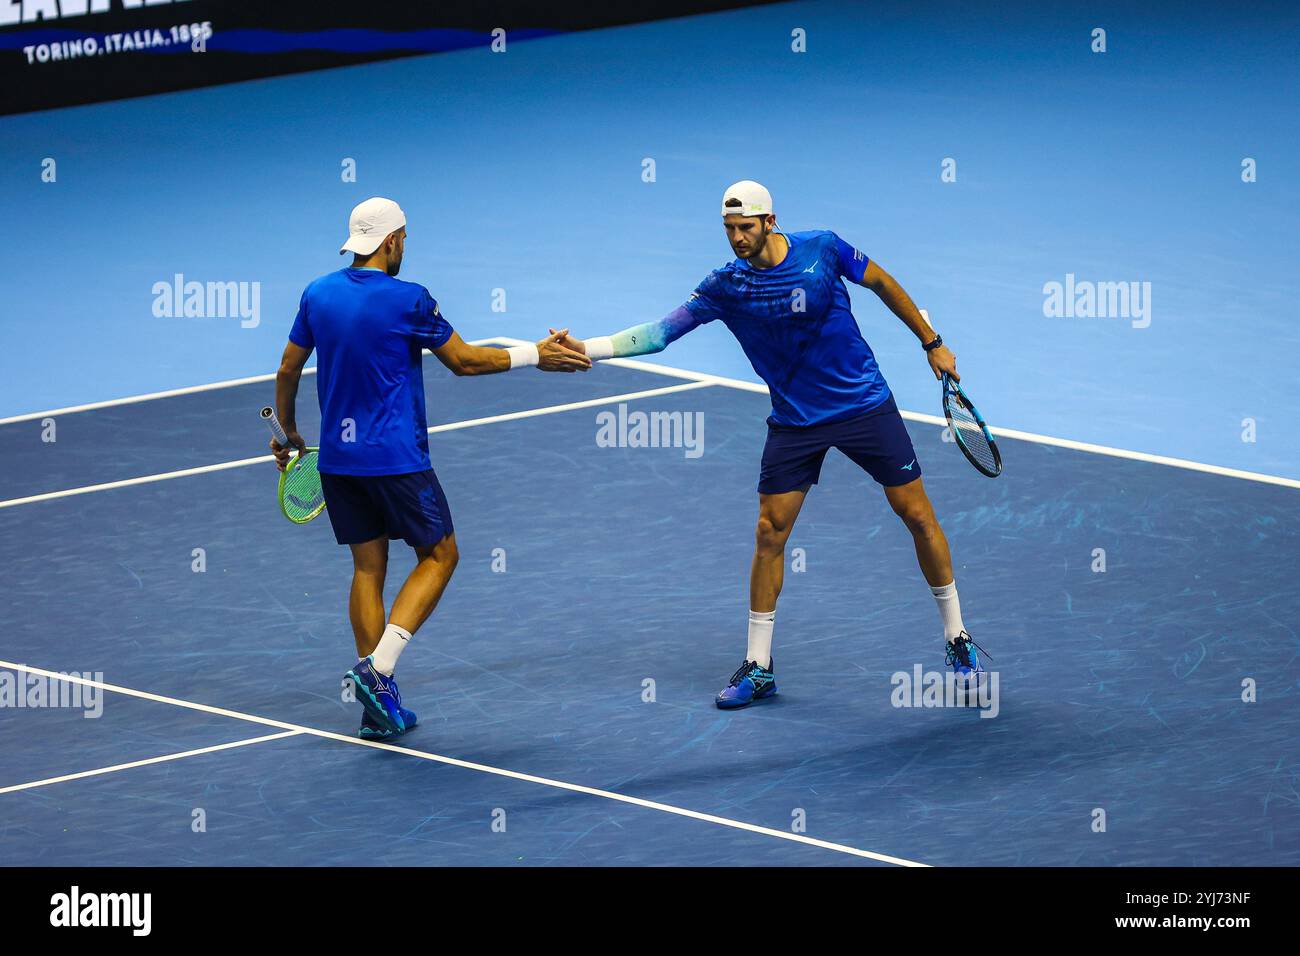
<point>366,600</point>
<point>755,680</point>
<point>424,586</point>
<point>776,518</point>
<point>912,504</point>
<point>381,645</point>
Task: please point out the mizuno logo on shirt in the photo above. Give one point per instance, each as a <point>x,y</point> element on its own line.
<point>811,268</point>
<point>908,466</point>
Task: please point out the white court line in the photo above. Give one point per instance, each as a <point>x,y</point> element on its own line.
<point>702,377</point>
<point>736,383</point>
<point>128,482</point>
<point>131,400</point>
<point>1118,452</point>
<point>569,406</point>
<point>266,459</point>
<point>144,763</point>
<point>188,390</point>
<point>467,765</point>
<point>1000,432</point>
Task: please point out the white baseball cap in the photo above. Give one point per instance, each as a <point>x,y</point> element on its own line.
<point>371,223</point>
<point>746,198</point>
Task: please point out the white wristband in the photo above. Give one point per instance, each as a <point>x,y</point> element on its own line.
<point>522,355</point>
<point>601,347</point>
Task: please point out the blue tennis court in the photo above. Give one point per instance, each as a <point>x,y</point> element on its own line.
<point>540,740</point>
<point>172,649</point>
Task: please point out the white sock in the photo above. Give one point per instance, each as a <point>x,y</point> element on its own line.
<point>390,649</point>
<point>949,610</point>
<point>760,637</point>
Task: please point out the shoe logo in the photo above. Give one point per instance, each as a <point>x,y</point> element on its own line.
<point>379,682</point>
<point>908,466</point>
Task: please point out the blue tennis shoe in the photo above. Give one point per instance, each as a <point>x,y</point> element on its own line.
<point>378,694</point>
<point>748,684</point>
<point>372,730</point>
<point>963,656</point>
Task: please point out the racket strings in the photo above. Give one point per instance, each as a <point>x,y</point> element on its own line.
<point>968,431</point>
<point>303,495</point>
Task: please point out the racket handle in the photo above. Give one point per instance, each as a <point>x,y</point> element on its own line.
<point>273,423</point>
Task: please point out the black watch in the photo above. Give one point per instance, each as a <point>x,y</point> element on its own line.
<point>931,346</point>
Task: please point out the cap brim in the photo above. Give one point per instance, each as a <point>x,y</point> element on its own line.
<point>362,245</point>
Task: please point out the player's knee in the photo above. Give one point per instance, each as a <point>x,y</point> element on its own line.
<point>769,537</point>
<point>919,520</point>
<point>447,553</point>
<point>371,564</point>
<point>444,553</point>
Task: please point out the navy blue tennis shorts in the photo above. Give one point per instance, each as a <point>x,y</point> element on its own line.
<point>364,507</point>
<point>876,441</point>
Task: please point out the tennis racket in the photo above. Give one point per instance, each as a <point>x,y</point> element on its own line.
<point>300,494</point>
<point>969,431</point>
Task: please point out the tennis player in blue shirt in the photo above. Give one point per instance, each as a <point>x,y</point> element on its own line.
<point>368,329</point>
<point>784,299</point>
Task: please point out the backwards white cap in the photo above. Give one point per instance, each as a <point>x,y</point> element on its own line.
<point>746,198</point>
<point>371,223</point>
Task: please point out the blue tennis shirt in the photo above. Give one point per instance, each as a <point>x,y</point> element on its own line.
<point>796,327</point>
<point>367,329</point>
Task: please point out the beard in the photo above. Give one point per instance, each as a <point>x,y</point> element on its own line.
<point>755,247</point>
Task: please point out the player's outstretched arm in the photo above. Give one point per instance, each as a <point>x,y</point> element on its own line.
<point>900,303</point>
<point>550,355</point>
<point>643,339</point>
